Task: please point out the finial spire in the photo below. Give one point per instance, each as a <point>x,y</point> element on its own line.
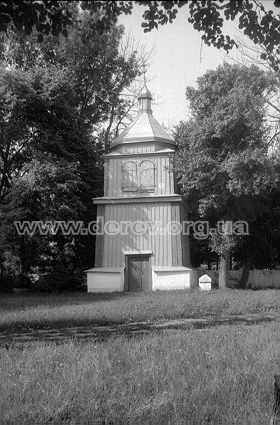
<point>145,98</point>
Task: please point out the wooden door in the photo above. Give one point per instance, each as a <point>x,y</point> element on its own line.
<point>138,273</point>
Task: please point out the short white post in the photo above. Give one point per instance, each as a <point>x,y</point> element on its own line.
<point>204,283</point>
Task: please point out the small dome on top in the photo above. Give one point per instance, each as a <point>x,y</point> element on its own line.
<point>145,94</point>
<point>145,128</point>
<point>145,100</point>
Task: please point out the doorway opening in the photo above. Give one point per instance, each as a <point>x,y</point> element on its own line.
<point>138,272</point>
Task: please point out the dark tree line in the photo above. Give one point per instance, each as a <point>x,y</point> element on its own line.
<point>56,101</point>
<point>226,169</point>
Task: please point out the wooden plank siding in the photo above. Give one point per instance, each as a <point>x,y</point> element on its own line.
<point>164,183</point>
<point>176,239</point>
<point>165,248</point>
<point>186,258</point>
<point>99,241</point>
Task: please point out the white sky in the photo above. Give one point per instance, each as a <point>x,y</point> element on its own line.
<point>176,61</point>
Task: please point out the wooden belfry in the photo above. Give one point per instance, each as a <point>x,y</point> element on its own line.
<point>138,249</point>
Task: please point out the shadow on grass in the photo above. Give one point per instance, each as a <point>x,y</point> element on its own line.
<point>18,302</point>
<point>8,301</point>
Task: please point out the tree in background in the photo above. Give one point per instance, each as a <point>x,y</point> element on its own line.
<point>254,19</point>
<point>25,16</point>
<point>261,25</point>
<point>56,100</point>
<point>222,162</point>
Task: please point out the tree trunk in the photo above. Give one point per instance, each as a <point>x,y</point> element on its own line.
<point>243,283</point>
<point>223,271</point>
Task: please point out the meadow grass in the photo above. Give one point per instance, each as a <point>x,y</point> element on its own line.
<point>45,311</point>
<point>216,376</point>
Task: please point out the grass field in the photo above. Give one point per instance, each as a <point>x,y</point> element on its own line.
<point>213,376</point>
<point>216,376</point>
<point>43,311</point>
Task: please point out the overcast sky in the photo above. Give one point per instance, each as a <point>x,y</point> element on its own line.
<point>176,61</point>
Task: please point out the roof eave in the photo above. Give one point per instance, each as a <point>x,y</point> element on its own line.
<point>133,140</point>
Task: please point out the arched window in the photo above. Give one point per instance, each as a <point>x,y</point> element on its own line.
<point>147,176</point>
<point>129,176</point>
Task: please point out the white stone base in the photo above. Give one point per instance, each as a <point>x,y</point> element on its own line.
<point>105,279</point>
<point>171,278</point>
<point>111,279</point>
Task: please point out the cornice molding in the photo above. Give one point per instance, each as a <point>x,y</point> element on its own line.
<point>106,200</point>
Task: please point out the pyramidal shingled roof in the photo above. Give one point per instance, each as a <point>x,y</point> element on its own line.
<point>145,128</point>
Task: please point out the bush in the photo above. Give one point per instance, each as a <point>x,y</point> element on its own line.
<point>6,284</point>
<point>22,281</point>
<point>58,281</point>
